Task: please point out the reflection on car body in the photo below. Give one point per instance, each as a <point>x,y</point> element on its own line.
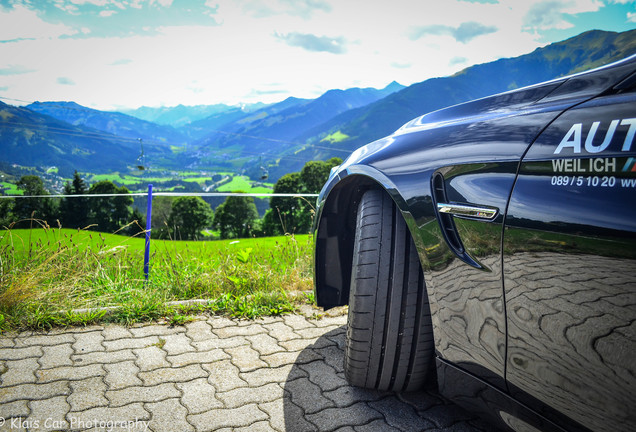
<point>528,274</point>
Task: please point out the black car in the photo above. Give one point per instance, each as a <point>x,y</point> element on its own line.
<point>492,246</point>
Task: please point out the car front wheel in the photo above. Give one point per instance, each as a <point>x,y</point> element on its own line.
<point>389,341</point>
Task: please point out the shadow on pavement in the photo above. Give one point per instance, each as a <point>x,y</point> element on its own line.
<point>317,398</point>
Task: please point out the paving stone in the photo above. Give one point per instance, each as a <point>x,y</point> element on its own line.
<point>155,330</point>
<point>113,332</point>
<point>134,415</point>
<point>17,424</point>
<point>268,320</point>
<point>297,322</point>
<point>88,342</point>
<point>281,331</point>
<point>181,374</point>
<point>129,395</point>
<point>261,426</point>
<point>231,418</point>
<point>131,343</point>
<point>297,344</point>
<point>221,322</point>
<point>103,357</point>
<point>276,412</point>
<point>275,374</point>
<point>307,396</point>
<point>19,371</point>
<point>69,373</point>
<point>34,391</point>
<point>327,321</point>
<point>168,416</point>
<point>332,355</point>
<point>45,339</point>
<point>87,394</point>
<point>337,337</point>
<point>400,415</point>
<point>199,330</point>
<point>347,428</point>
<point>17,408</point>
<point>294,418</point>
<point>6,341</point>
<point>150,358</point>
<point>287,358</point>
<point>377,426</point>
<point>333,418</point>
<point>444,416</point>
<point>49,414</point>
<point>122,375</point>
<point>314,332</point>
<point>228,332</point>
<point>215,342</point>
<point>421,400</point>
<point>323,375</point>
<point>245,358</point>
<point>262,376</point>
<point>264,344</point>
<point>347,395</point>
<point>87,329</point>
<point>177,344</point>
<point>223,375</point>
<point>197,357</point>
<point>56,355</point>
<point>198,396</point>
<point>243,396</point>
<point>20,353</point>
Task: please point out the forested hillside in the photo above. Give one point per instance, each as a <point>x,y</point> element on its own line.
<point>279,138</point>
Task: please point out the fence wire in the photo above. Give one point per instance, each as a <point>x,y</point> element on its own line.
<point>172,194</point>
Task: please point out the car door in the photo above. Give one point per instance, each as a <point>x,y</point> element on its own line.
<point>569,264</point>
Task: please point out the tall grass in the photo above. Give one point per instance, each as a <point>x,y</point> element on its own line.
<point>47,275</point>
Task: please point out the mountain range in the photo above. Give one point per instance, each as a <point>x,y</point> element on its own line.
<point>280,136</point>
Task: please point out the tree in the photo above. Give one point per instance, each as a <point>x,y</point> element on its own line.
<point>109,213</point>
<point>161,207</point>
<point>236,217</point>
<point>315,173</point>
<point>40,208</point>
<point>286,209</point>
<point>188,216</point>
<point>74,211</point>
<point>137,228</point>
<point>6,212</point>
<point>295,215</point>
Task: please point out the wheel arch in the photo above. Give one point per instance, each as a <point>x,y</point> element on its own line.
<point>334,231</point>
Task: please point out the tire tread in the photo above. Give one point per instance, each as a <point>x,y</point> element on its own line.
<point>389,344</point>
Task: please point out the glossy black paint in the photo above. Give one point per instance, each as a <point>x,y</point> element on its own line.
<point>494,286</point>
<point>571,290</point>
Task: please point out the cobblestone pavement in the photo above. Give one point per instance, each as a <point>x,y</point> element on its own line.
<point>213,374</point>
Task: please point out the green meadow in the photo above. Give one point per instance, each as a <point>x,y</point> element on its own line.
<point>243,184</point>
<point>47,276</point>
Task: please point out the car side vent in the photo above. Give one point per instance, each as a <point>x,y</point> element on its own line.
<point>446,220</point>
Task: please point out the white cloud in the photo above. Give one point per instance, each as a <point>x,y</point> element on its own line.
<point>107,13</point>
<point>65,81</point>
<point>164,3</point>
<point>258,43</point>
<point>554,14</point>
<point>314,43</point>
<point>22,23</point>
<point>631,17</point>
<point>91,2</point>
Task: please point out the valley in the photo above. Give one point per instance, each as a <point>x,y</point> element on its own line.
<point>249,147</point>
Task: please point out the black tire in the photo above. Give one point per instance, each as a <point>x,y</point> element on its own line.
<point>389,342</point>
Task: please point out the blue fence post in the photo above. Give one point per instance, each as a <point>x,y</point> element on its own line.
<point>148,228</point>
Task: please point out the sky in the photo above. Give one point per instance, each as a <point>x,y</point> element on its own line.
<point>118,54</point>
